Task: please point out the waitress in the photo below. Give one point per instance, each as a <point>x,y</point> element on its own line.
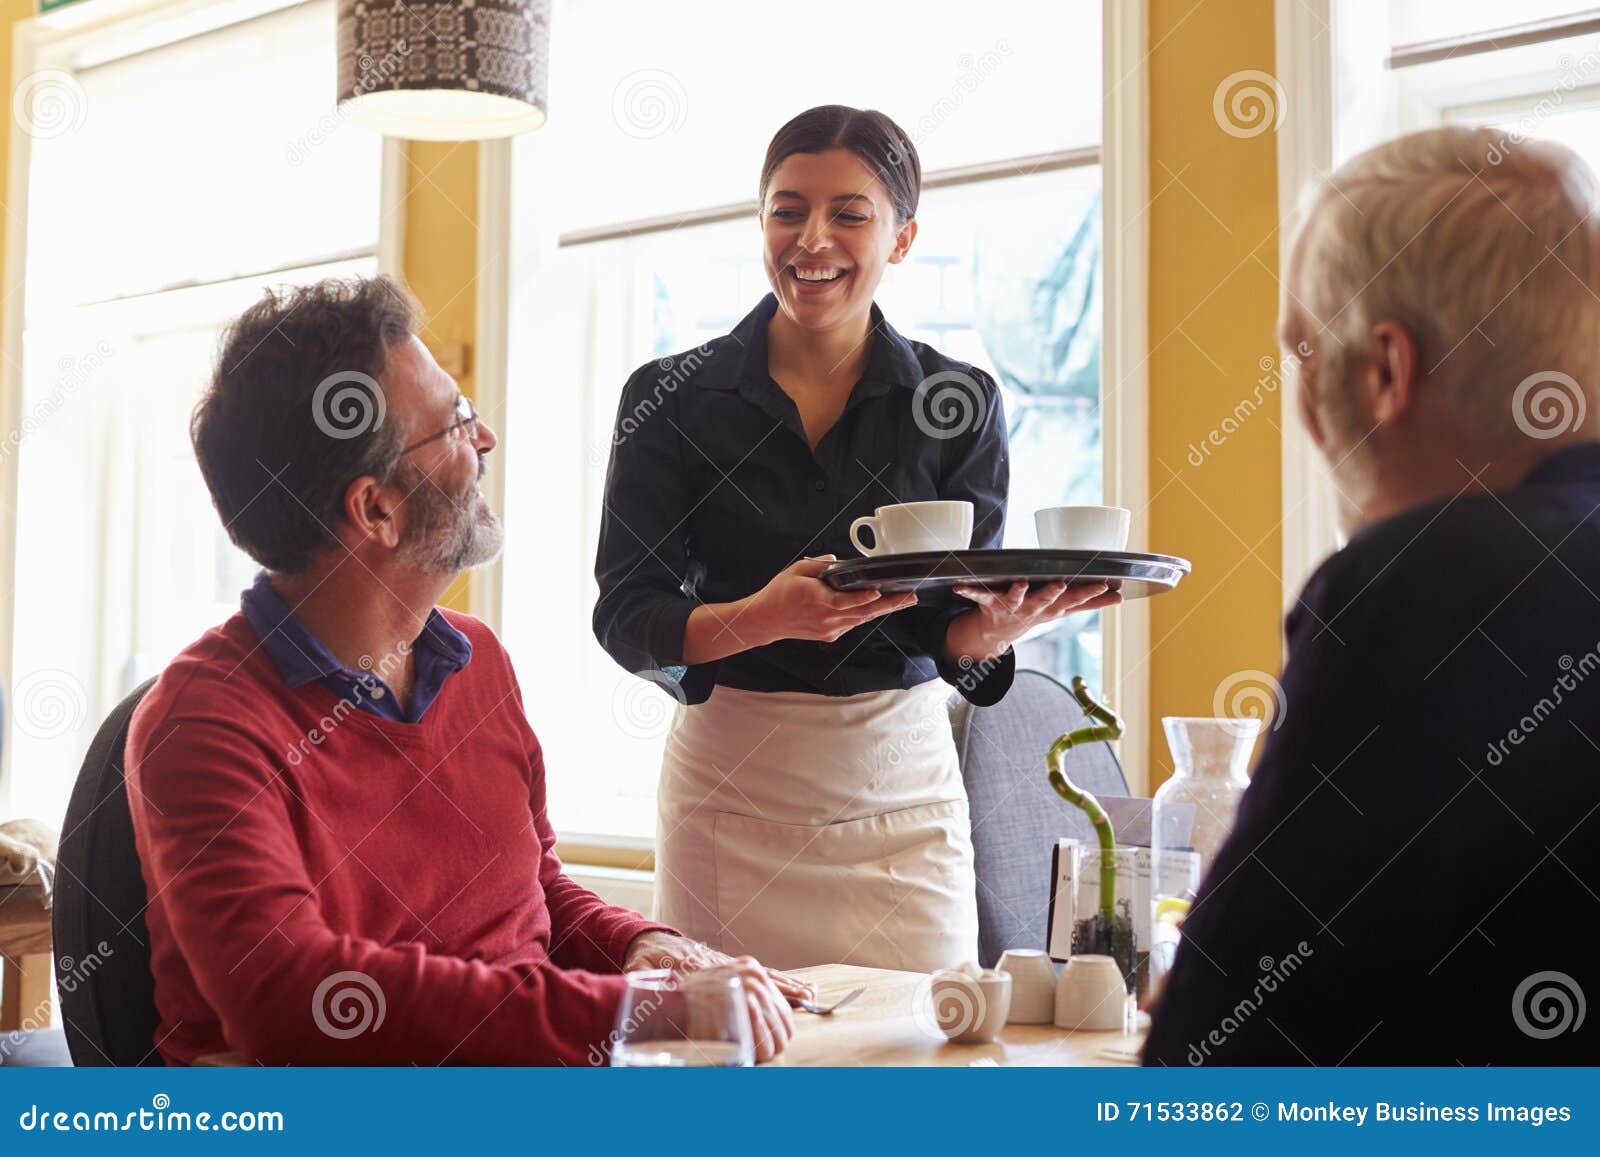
<point>811,807</point>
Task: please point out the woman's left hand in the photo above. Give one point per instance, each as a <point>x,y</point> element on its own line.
<point>1002,617</point>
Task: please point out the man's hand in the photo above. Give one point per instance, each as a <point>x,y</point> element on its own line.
<point>767,991</point>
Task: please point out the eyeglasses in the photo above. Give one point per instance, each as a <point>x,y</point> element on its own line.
<point>466,424</point>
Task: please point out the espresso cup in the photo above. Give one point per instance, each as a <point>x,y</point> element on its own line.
<point>913,526</point>
<point>1082,527</point>
<point>1033,985</point>
<point>1091,994</point>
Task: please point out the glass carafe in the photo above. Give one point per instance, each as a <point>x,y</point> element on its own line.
<point>1192,814</point>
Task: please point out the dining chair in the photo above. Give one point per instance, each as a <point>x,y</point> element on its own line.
<point>1016,817</point>
<point>102,948</point>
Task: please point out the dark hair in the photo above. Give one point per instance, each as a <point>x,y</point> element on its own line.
<point>867,133</point>
<point>294,413</point>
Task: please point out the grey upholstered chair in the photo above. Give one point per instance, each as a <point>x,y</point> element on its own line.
<point>1016,817</point>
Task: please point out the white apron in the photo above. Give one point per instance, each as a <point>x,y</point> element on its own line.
<point>809,829</point>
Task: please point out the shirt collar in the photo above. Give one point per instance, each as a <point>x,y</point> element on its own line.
<point>301,657</point>
<point>1572,464</point>
<point>891,361</point>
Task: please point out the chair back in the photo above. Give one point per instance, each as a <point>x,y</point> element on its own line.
<point>1016,817</point>
<point>102,948</point>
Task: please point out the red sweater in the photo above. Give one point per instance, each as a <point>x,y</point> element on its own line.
<point>287,837</point>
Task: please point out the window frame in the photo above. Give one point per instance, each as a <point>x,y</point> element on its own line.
<point>84,36</point>
<point>1124,160</point>
<point>1123,157</point>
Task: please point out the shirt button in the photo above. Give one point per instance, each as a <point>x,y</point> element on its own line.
<point>819,484</point>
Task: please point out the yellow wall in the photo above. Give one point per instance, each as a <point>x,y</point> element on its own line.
<point>1213,298</point>
<point>11,11</point>
<point>441,254</point>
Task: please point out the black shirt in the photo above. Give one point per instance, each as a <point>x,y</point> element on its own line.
<point>713,489</point>
<point>1414,875</point>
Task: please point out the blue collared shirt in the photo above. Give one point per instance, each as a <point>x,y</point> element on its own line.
<point>439,652</point>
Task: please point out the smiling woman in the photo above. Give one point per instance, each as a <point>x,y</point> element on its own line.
<point>659,251</point>
<point>811,807</point>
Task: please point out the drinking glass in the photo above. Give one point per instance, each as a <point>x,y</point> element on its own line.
<point>682,1020</point>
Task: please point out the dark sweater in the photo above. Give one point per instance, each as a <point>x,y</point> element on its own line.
<point>1421,838</point>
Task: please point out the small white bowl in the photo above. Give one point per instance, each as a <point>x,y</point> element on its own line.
<point>1033,985</point>
<point>1091,994</point>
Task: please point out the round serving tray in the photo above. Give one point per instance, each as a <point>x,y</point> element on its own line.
<point>934,572</point>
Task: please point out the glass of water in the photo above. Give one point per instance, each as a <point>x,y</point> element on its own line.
<point>679,1020</point>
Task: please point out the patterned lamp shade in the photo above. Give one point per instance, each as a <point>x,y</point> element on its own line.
<point>444,70</point>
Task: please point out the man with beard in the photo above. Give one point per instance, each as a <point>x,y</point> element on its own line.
<point>338,802</point>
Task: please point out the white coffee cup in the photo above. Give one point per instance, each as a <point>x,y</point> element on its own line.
<point>1033,985</point>
<point>1082,527</point>
<point>914,526</point>
<point>1091,994</point>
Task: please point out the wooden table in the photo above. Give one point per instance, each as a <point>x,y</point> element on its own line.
<point>879,1028</point>
<point>24,958</point>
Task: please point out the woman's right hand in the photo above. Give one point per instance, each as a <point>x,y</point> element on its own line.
<point>797,604</point>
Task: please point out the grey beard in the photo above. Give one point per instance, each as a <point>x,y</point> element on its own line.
<point>446,537</point>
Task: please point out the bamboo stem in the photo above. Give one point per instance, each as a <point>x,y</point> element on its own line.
<point>1107,725</point>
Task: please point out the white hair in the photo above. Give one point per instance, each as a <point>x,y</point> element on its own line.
<point>1484,246</point>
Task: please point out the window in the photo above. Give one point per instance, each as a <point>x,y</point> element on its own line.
<point>1534,73</point>
<point>1389,69</point>
<point>162,199</point>
<point>636,238</point>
